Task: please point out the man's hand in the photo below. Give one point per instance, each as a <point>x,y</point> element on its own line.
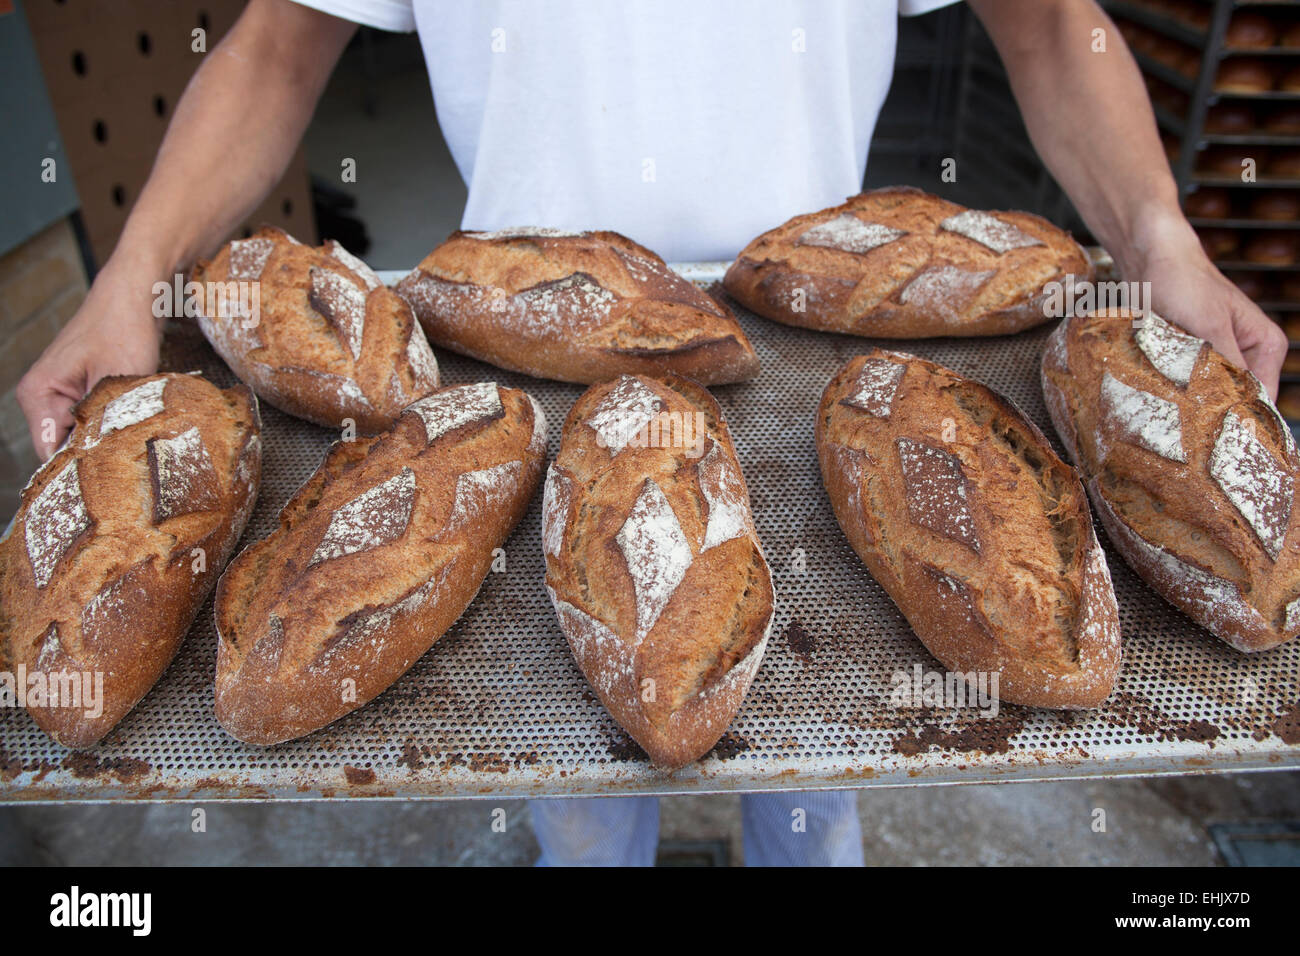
<point>1089,116</point>
<point>1187,289</point>
<point>113,333</point>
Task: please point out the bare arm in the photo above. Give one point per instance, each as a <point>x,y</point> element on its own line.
<point>1091,121</point>
<point>229,142</point>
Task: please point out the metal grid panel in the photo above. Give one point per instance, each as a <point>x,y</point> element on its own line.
<point>499,709</point>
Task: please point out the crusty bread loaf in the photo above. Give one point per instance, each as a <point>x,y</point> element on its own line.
<point>1190,468</point>
<point>331,342</point>
<point>577,307</point>
<point>375,557</point>
<point>653,563</point>
<point>959,507</point>
<point>899,263</point>
<point>120,536</point>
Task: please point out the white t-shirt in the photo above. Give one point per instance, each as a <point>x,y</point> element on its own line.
<point>689,125</point>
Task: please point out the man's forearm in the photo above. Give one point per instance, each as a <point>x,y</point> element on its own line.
<point>233,133</point>
<point>1090,119</point>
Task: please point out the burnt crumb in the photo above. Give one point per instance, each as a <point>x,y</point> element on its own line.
<point>125,769</point>
<point>987,737</point>
<point>625,749</point>
<point>1287,725</point>
<point>358,776</point>
<point>730,745</point>
<point>1198,730</point>
<point>800,641</point>
<point>411,757</point>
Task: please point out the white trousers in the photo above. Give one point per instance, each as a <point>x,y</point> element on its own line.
<point>798,828</point>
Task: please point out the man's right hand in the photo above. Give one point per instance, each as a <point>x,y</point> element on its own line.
<point>113,333</point>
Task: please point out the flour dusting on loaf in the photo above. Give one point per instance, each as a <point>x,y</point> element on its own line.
<point>337,297</point>
<point>657,554</point>
<point>366,274</point>
<point>373,518</point>
<point>848,233</point>
<point>54,522</point>
<point>1142,419</point>
<point>183,477</point>
<point>989,231</point>
<point>481,491</point>
<point>1173,353</point>
<point>454,408</point>
<point>723,490</point>
<point>936,491</point>
<point>1257,484</point>
<point>556,498</point>
<point>130,408</point>
<point>248,257</point>
<point>873,389</point>
<point>944,290</point>
<point>623,413</point>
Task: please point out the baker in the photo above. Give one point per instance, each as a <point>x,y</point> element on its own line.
<point>689,126</point>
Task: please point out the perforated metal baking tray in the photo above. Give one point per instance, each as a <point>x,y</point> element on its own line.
<point>498,709</point>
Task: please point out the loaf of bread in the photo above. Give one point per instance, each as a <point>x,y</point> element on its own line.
<point>375,557</point>
<point>329,342</point>
<point>898,263</point>
<point>962,512</point>
<point>118,540</point>
<point>577,307</point>
<point>1190,468</point>
<point>653,563</point>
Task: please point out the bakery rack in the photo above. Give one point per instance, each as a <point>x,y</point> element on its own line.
<point>497,709</point>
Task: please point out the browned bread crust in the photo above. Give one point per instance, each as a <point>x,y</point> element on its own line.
<point>883,265</point>
<point>375,557</point>
<point>331,342</point>
<point>1190,468</point>
<point>959,507</point>
<point>577,307</point>
<point>653,563</point>
<point>120,536</point>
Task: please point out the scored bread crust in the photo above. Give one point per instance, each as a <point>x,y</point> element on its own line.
<point>375,557</point>
<point>654,566</point>
<point>910,277</point>
<point>331,343</point>
<point>962,512</point>
<point>1213,533</point>
<point>121,535</point>
<point>575,307</point>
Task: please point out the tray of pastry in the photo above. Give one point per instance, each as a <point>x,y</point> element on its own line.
<point>499,709</point>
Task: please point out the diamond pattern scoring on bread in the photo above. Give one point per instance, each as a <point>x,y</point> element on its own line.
<point>363,271</point>
<point>481,491</point>
<point>873,389</point>
<point>1173,353</point>
<point>1142,419</point>
<point>936,491</point>
<point>623,413</point>
<point>657,554</point>
<point>182,476</point>
<point>56,519</point>
<point>373,518</point>
<point>556,498</point>
<point>848,233</point>
<point>1259,487</point>
<point>722,489</point>
<point>337,297</point>
<point>944,290</point>
<point>248,257</point>
<point>454,408</point>
<point>989,231</point>
<point>130,408</point>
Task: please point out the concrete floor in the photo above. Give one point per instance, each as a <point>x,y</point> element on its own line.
<point>410,195</point>
<point>1157,822</point>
